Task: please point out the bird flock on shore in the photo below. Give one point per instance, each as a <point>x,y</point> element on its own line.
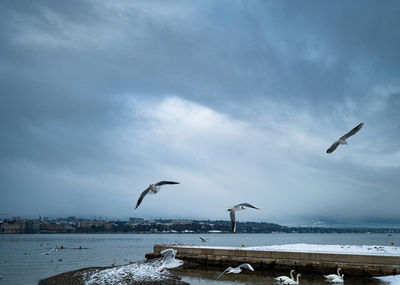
<point>169,260</point>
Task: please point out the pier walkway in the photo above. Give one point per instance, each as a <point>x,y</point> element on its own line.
<point>351,264</point>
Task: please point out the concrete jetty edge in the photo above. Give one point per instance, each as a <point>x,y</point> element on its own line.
<point>322,263</point>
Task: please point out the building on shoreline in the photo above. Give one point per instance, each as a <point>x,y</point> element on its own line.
<point>71,224</point>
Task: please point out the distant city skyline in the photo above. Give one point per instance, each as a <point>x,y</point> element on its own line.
<point>369,224</point>
<point>237,101</point>
<point>19,225</point>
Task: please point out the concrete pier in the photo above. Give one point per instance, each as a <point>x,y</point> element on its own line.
<point>323,263</point>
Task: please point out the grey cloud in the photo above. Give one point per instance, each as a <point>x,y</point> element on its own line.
<point>289,77</point>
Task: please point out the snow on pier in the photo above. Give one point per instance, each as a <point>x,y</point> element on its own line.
<point>354,260</point>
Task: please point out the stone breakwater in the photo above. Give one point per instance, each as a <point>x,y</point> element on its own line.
<point>323,263</point>
<point>131,274</point>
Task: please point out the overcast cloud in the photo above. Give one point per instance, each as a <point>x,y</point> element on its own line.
<point>237,100</point>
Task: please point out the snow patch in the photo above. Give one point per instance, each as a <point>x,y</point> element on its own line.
<point>392,279</point>
<point>337,249</point>
<point>128,273</point>
<point>321,248</point>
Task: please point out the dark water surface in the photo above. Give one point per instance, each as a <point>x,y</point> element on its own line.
<point>22,258</point>
<point>264,277</point>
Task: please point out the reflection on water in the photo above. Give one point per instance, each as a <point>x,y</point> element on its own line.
<point>208,276</point>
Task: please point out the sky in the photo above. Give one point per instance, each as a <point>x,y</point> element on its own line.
<point>236,100</point>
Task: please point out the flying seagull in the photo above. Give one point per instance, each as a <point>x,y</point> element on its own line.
<point>153,189</point>
<point>238,207</point>
<point>169,260</point>
<point>202,239</point>
<point>343,139</point>
<point>236,270</point>
<point>47,253</point>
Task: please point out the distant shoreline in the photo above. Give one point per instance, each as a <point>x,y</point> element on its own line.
<point>196,233</point>
<point>18,225</point>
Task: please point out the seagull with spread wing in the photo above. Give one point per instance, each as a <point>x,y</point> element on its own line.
<point>343,139</point>
<point>238,207</point>
<point>169,260</point>
<point>202,239</point>
<point>153,189</point>
<point>237,270</point>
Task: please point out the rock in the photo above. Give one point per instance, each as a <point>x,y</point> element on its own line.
<point>151,255</point>
<point>73,277</point>
<point>129,276</point>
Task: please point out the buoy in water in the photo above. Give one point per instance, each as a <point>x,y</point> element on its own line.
<point>242,244</point>
<point>392,243</point>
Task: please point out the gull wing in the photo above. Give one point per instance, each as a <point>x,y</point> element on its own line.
<point>203,239</point>
<point>246,266</point>
<point>233,221</point>
<point>168,254</point>
<point>352,132</point>
<point>226,270</point>
<point>333,147</point>
<point>165,182</point>
<point>247,205</point>
<point>47,253</point>
<point>144,193</point>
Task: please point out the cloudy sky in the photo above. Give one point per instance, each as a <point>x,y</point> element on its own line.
<point>237,100</point>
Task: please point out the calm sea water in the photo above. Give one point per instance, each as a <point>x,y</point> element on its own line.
<point>22,258</point>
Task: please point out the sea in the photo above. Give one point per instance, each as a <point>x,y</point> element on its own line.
<point>23,258</point>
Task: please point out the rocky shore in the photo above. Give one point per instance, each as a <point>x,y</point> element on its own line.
<point>145,273</point>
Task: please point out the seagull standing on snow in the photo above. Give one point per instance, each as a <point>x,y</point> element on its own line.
<point>238,207</point>
<point>153,189</point>
<point>236,270</point>
<point>169,260</point>
<point>343,139</point>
